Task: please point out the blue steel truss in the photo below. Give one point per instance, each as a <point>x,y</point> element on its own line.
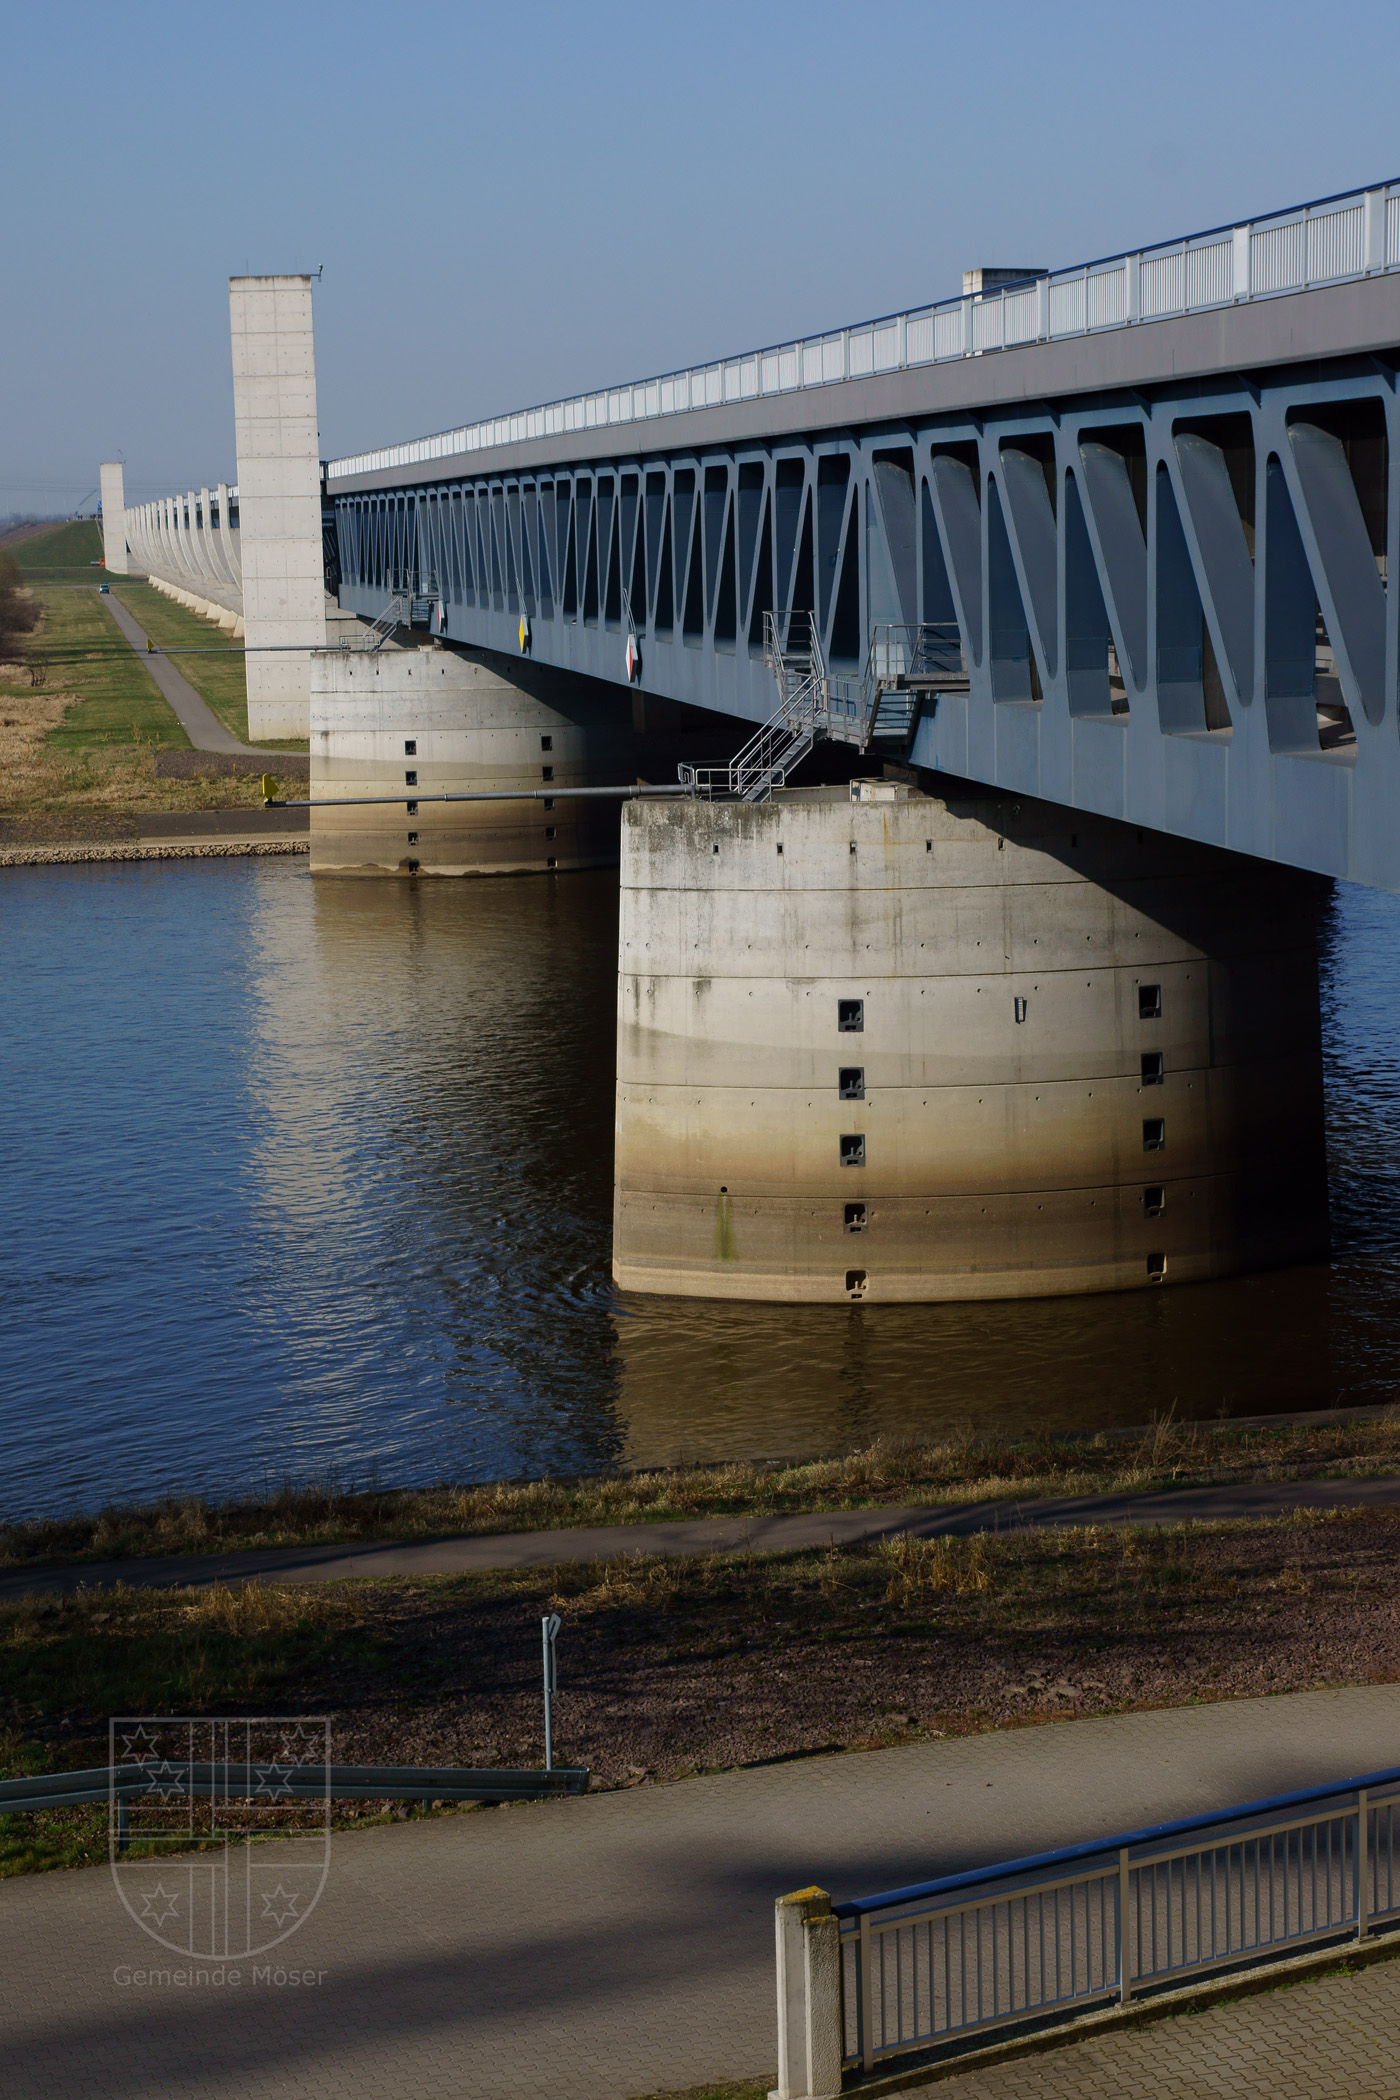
<point>1172,600</point>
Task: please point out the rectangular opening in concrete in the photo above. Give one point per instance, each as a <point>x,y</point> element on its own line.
<point>546,772</point>
<point>1154,1134</point>
<point>850,1016</point>
<point>852,1083</point>
<point>1156,1266</point>
<point>412,808</point>
<point>410,779</point>
<point>549,801</point>
<point>855,1283</point>
<point>855,1217</point>
<point>549,831</point>
<point>1153,1068</point>
<point>1154,1201</point>
<point>546,743</point>
<point>410,747</point>
<point>1019,1007</point>
<point>1149,1002</point>
<point>413,838</point>
<point>853,1149</point>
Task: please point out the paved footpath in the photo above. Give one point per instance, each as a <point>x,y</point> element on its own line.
<point>1332,2039</point>
<point>681,1536</point>
<point>622,1943</point>
<point>198,720</point>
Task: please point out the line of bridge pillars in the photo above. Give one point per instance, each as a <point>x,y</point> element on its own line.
<point>877,1040</point>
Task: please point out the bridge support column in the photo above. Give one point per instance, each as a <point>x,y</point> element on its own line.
<point>391,720</point>
<point>279,497</point>
<point>878,1045</point>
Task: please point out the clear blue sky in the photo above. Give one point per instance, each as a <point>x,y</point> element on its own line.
<point>520,201</point>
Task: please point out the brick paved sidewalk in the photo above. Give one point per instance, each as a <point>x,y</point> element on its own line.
<point>621,1944</point>
<point>1334,2038</point>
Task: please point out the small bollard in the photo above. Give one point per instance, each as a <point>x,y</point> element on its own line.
<point>810,2047</point>
<point>549,1632</point>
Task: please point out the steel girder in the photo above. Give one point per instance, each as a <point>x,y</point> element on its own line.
<point>1173,602</point>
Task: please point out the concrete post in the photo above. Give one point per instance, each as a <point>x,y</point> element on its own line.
<point>180,529</point>
<point>218,540</point>
<point>204,541</point>
<point>810,2027</point>
<point>113,517</point>
<point>279,497</point>
<point>167,540</point>
<point>228,539</point>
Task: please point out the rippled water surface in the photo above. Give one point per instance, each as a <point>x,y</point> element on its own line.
<point>315,1179</point>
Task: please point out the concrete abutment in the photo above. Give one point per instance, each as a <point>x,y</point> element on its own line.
<point>877,1044</point>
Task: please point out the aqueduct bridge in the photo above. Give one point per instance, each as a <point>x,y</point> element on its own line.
<point>988,966</point>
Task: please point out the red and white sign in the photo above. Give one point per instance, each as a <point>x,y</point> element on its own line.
<point>634,657</point>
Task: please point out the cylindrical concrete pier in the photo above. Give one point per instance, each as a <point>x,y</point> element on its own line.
<point>873,1044</point>
<point>445,721</point>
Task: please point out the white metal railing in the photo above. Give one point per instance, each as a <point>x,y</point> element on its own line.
<point>1325,242</point>
<point>934,1965</point>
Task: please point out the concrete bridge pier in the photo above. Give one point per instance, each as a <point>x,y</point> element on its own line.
<point>876,1043</point>
<point>446,720</point>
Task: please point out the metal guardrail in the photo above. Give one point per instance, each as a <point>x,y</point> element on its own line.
<point>251,1781</point>
<point>1355,234</point>
<point>930,1966</point>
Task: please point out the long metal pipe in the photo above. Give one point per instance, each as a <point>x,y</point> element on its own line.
<point>547,794</point>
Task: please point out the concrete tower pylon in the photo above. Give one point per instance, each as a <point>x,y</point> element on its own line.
<point>110,478</point>
<point>279,497</point>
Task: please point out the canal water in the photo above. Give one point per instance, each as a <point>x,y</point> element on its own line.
<point>313,1181</point>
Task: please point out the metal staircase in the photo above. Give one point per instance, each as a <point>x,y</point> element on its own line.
<point>376,636</point>
<point>905,665</point>
<point>793,652</point>
<point>878,711</point>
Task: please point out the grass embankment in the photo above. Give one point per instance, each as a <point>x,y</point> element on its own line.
<point>220,680</point>
<point>965,1469</point>
<point>80,754</point>
<point>70,553</point>
<point>671,1667</point>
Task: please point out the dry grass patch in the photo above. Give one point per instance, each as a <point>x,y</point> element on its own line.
<point>668,1667</point>
<point>965,1468</point>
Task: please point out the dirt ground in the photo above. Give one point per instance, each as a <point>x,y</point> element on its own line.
<point>670,1667</point>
